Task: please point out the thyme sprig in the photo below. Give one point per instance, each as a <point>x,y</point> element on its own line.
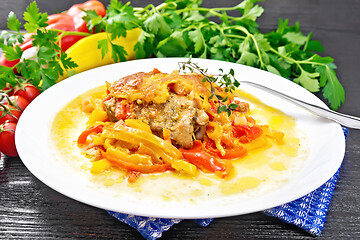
<point>226,81</point>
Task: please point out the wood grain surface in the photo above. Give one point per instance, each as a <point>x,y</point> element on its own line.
<point>31,210</point>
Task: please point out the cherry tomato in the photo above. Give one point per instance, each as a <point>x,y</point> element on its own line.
<point>8,89</point>
<point>20,101</point>
<point>30,92</point>
<point>7,139</point>
<point>9,113</point>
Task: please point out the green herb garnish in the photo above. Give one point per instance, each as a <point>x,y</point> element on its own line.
<point>226,81</point>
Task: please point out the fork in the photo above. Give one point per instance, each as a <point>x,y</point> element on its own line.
<point>343,119</point>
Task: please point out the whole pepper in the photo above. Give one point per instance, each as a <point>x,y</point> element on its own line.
<point>76,12</point>
<point>87,56</point>
<point>70,20</point>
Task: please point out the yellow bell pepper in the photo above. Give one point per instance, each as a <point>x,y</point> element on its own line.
<point>86,55</point>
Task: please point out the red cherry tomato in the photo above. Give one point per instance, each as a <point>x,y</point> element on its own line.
<point>9,113</point>
<point>8,90</point>
<point>19,101</point>
<point>30,92</point>
<point>7,139</point>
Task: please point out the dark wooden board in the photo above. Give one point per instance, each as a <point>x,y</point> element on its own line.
<point>31,210</point>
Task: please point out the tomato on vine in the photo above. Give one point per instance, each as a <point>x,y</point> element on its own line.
<point>27,91</point>
<point>7,139</point>
<point>17,102</point>
<point>9,113</point>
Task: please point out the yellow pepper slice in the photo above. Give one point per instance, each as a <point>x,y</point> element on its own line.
<point>100,166</point>
<point>137,136</point>
<point>132,158</point>
<point>136,123</point>
<point>160,147</point>
<point>97,115</point>
<point>183,166</point>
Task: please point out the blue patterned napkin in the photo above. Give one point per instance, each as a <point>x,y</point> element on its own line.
<point>307,212</point>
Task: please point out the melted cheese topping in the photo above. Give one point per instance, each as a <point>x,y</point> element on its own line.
<point>155,87</point>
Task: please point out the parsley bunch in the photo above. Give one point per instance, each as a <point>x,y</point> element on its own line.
<point>183,28</point>
<point>180,28</point>
<point>46,64</point>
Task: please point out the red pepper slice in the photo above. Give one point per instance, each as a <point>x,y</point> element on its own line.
<point>93,129</point>
<point>205,161</point>
<point>246,133</point>
<point>122,111</point>
<point>237,152</point>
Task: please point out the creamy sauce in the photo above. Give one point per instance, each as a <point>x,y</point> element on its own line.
<point>264,169</point>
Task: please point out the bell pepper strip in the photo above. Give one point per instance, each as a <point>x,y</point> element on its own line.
<point>245,133</point>
<point>137,136</point>
<point>100,166</point>
<point>142,168</point>
<point>165,150</point>
<point>93,129</point>
<point>131,158</point>
<point>97,115</point>
<point>136,123</point>
<point>207,162</point>
<point>184,167</point>
<point>237,152</point>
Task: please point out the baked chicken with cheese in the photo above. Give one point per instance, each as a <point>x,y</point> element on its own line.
<point>174,102</point>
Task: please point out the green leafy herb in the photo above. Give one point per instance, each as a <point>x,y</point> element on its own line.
<point>180,28</point>
<point>118,19</point>
<point>226,81</point>
<point>46,61</point>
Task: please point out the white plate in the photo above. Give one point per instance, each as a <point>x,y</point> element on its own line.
<point>326,141</point>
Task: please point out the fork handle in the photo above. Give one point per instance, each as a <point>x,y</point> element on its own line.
<point>343,119</point>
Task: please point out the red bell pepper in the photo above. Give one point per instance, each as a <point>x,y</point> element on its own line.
<point>70,20</point>
<point>76,12</point>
